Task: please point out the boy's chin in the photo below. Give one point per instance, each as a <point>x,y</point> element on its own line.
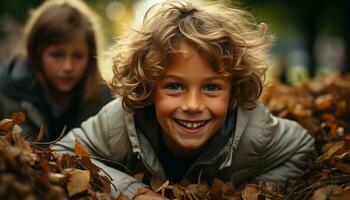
<point>192,147</point>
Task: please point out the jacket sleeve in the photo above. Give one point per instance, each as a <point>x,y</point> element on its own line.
<point>104,135</point>
<point>285,148</point>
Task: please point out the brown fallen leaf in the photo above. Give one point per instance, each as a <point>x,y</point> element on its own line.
<point>323,193</point>
<point>343,167</point>
<point>57,178</point>
<point>78,181</point>
<point>156,183</point>
<point>6,125</point>
<point>215,190</point>
<point>18,117</point>
<point>177,192</point>
<point>342,195</point>
<point>250,192</point>
<point>324,102</point>
<point>87,163</point>
<point>146,191</point>
<point>55,192</point>
<point>102,196</point>
<point>19,140</point>
<point>200,191</point>
<point>139,176</point>
<point>162,188</point>
<point>336,148</point>
<point>122,197</point>
<point>142,190</point>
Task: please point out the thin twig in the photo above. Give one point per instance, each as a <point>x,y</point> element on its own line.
<point>112,161</point>
<point>200,176</point>
<point>52,142</point>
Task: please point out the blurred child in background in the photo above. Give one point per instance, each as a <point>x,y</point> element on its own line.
<point>55,79</point>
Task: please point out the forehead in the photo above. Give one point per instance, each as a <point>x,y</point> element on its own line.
<point>77,40</point>
<point>189,64</point>
<point>69,37</point>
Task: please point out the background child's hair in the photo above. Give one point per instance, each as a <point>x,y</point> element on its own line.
<point>58,21</point>
<point>234,44</point>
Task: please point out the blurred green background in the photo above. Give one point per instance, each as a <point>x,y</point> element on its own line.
<point>312,36</point>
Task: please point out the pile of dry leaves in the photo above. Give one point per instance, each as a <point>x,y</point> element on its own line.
<point>321,105</point>
<point>30,172</point>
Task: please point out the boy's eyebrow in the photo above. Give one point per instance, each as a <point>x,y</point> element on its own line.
<point>171,76</point>
<point>210,78</point>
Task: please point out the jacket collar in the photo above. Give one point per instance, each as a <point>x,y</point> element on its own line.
<point>241,124</point>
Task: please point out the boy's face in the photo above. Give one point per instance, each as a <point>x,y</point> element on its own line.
<point>191,102</point>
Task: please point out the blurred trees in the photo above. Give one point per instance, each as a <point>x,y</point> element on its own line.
<point>18,8</point>
<point>312,19</point>
<point>305,19</point>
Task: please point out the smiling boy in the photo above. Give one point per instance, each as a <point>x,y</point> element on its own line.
<point>188,84</point>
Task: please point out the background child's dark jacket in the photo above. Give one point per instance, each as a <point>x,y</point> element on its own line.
<point>20,92</point>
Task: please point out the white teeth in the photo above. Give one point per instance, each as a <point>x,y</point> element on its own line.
<point>191,125</point>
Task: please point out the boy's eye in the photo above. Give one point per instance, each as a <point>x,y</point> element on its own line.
<point>174,86</point>
<point>211,87</point>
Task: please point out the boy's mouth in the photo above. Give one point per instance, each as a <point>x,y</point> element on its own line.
<point>191,124</point>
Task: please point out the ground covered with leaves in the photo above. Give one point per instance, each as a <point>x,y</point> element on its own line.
<point>321,105</point>
<point>30,172</point>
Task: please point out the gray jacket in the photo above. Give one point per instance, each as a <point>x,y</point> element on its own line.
<point>262,147</point>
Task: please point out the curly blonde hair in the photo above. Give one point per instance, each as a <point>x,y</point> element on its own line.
<point>229,38</point>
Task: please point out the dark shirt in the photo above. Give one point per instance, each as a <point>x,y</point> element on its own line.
<point>175,167</point>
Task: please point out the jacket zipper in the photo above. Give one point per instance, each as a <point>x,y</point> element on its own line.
<point>144,163</point>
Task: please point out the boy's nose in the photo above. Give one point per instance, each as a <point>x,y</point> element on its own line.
<point>193,103</point>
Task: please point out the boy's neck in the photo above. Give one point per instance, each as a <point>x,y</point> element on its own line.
<point>178,151</point>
